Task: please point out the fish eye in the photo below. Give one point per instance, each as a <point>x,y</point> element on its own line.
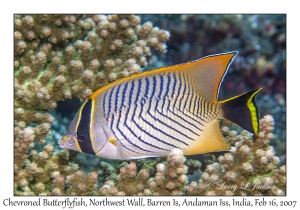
<point>82,135</point>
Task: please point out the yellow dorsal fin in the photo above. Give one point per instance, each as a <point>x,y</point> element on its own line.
<point>210,140</point>
<point>206,74</point>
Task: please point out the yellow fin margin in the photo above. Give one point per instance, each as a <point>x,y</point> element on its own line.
<point>253,111</point>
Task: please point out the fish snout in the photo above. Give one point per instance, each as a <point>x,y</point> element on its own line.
<point>66,142</point>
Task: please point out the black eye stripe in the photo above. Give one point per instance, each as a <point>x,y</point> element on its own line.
<point>83,135</point>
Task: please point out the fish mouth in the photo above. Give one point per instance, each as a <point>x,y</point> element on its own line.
<point>64,142</point>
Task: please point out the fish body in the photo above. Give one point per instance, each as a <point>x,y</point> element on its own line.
<point>151,113</point>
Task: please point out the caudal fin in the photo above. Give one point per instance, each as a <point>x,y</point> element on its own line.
<point>242,110</point>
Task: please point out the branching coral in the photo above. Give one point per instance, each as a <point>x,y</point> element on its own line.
<point>44,173</point>
<point>57,57</point>
<point>170,179</point>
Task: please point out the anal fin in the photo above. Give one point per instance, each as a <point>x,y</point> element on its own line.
<point>210,140</point>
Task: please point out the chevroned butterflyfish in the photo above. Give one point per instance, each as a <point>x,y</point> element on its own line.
<point>153,112</point>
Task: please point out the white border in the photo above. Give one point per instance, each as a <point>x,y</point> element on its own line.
<point>8,8</point>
